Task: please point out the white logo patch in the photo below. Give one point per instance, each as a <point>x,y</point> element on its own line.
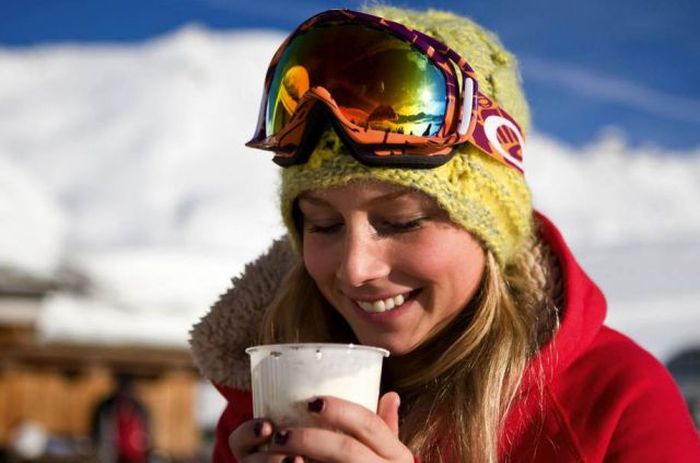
<point>491,126</point>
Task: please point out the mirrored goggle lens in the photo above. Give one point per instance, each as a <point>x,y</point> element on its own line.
<point>378,80</point>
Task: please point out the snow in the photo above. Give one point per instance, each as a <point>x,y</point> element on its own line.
<point>32,223</point>
<point>126,163</point>
<point>607,194</point>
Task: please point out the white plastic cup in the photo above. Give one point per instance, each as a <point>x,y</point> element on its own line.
<point>285,377</point>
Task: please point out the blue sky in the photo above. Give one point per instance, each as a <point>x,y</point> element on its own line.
<point>586,65</point>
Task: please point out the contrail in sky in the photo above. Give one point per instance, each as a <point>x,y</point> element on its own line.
<point>611,88</point>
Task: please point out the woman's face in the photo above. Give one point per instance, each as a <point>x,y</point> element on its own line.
<point>389,260</point>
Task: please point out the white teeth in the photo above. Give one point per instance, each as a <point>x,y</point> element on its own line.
<point>382,305</point>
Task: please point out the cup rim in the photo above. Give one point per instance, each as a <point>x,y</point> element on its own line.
<point>316,345</point>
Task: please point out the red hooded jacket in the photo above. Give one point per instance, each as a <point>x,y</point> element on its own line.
<point>604,397</point>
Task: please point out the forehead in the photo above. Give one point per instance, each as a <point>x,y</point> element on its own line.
<point>362,192</point>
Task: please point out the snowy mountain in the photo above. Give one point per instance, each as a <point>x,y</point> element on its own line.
<point>126,163</point>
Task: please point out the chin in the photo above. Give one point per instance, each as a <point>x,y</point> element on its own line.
<point>395,347</point>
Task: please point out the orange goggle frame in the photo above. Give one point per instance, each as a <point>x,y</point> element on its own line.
<point>469,115</point>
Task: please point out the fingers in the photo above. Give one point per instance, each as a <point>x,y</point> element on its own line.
<point>354,420</point>
<point>317,444</point>
<point>388,410</point>
<point>348,430</point>
<point>246,438</point>
<point>272,458</point>
<point>339,432</point>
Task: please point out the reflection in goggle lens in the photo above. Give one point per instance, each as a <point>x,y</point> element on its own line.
<point>378,81</point>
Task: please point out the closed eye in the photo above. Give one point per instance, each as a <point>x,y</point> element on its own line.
<point>323,229</point>
<point>402,227</point>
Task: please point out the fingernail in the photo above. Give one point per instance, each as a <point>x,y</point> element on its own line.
<point>316,405</point>
<point>257,427</point>
<point>281,437</point>
<point>288,460</point>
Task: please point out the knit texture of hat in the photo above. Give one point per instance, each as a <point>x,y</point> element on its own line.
<point>486,197</point>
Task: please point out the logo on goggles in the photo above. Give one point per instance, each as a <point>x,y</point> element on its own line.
<point>503,135</point>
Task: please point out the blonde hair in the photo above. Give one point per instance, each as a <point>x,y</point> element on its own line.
<point>464,377</point>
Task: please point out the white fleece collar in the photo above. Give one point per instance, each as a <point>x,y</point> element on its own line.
<point>218,340</point>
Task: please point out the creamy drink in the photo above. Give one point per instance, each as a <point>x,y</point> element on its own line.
<point>285,376</point>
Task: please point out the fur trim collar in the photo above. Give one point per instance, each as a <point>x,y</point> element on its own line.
<point>219,339</point>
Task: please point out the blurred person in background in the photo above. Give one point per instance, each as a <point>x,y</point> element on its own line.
<point>120,426</point>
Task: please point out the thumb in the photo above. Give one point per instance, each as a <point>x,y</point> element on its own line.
<point>388,410</point>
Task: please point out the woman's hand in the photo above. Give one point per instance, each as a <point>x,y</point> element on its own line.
<point>361,436</point>
<point>245,440</point>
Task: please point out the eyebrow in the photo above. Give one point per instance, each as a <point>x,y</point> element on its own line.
<point>318,201</point>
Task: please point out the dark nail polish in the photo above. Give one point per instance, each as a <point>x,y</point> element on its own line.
<point>315,406</point>
<point>257,427</point>
<point>281,437</point>
<point>288,460</point>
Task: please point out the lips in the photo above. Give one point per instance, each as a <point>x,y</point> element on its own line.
<point>383,305</point>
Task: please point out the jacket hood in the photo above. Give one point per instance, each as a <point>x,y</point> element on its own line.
<point>219,339</point>
<point>581,316</point>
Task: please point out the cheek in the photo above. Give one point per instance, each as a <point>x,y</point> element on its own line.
<point>454,261</point>
<point>318,260</point>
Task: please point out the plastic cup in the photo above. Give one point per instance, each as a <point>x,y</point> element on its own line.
<point>285,377</point>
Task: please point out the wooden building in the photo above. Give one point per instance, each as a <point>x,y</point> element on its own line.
<point>58,386</point>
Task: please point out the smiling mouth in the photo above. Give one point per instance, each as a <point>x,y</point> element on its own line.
<point>385,305</point>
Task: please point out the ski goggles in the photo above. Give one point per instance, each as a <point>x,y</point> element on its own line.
<point>395,96</point>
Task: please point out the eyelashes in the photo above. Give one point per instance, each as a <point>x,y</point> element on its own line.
<point>383,228</point>
<point>409,225</point>
<point>322,229</point>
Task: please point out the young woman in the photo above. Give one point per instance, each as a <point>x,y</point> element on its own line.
<point>411,228</point>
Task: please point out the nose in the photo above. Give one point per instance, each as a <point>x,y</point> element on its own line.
<point>364,259</point>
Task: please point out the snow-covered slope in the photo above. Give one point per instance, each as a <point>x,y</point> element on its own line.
<point>127,162</point>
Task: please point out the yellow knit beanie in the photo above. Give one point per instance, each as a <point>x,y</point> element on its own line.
<point>486,197</point>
